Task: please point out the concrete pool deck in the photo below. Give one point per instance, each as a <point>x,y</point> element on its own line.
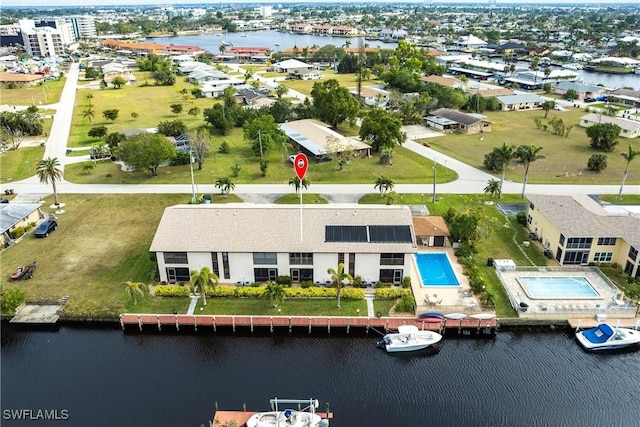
<point>607,304</point>
<point>445,299</point>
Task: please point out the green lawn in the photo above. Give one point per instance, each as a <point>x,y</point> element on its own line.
<point>627,199</point>
<point>290,307</point>
<point>307,198</point>
<point>20,164</point>
<point>346,80</point>
<point>565,159</point>
<point>46,93</point>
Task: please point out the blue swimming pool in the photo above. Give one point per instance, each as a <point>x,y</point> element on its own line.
<point>435,269</point>
<point>558,288</point>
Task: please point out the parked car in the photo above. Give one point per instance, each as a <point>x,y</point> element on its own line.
<point>100,155</point>
<point>3,200</point>
<point>46,227</point>
<point>589,100</point>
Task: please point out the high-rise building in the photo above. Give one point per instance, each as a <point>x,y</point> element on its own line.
<point>84,27</point>
<point>45,38</point>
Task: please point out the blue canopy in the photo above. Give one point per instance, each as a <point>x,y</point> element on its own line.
<point>599,334</point>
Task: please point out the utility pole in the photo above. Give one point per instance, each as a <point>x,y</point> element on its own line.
<point>193,184</point>
<point>260,142</point>
<point>433,198</point>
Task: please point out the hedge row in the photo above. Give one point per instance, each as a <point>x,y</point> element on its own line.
<point>172,291</point>
<point>389,293</point>
<point>223,291</point>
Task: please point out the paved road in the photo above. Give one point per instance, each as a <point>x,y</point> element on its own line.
<point>471,180</point>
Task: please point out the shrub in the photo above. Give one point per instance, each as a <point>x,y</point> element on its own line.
<point>10,299</point>
<point>521,217</point>
<point>406,282</point>
<point>249,292</point>
<point>17,232</point>
<point>283,280</point>
<point>306,284</point>
<point>597,162</point>
<point>222,291</point>
<point>181,158</point>
<point>357,281</point>
<point>172,291</point>
<point>224,147</point>
<point>407,304</point>
<point>465,250</point>
<point>477,283</point>
<point>352,293</point>
<point>235,170</point>
<point>390,293</point>
<point>380,284</point>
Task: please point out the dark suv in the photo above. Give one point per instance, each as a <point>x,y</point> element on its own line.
<point>45,227</point>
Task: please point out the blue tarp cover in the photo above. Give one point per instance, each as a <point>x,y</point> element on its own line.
<point>599,334</point>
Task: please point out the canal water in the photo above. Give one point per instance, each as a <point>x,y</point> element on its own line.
<point>105,377</point>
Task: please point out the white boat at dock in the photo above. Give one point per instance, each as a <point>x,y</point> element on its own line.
<point>607,337</point>
<point>408,338</point>
<point>304,417</point>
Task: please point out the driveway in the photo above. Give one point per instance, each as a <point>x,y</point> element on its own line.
<point>419,132</point>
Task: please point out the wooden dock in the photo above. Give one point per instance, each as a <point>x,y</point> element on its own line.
<point>174,322</point>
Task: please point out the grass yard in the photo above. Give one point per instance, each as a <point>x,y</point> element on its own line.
<point>346,80</point>
<point>565,159</point>
<point>20,164</point>
<point>290,307</point>
<point>408,167</point>
<point>46,93</point>
<point>307,199</point>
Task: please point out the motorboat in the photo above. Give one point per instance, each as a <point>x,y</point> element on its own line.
<point>431,317</point>
<point>573,66</point>
<point>408,338</point>
<point>305,417</point>
<point>606,337</point>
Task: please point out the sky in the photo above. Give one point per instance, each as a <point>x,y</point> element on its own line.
<point>215,2</point>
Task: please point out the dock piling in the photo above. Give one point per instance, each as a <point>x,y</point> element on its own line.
<point>366,329</point>
<point>233,323</point>
<point>177,324</point>
<point>348,323</point>
<point>328,325</point>
<point>289,324</point>
<point>158,319</point>
<point>309,324</point>
<point>195,323</point>
<point>121,322</point>
<point>578,325</point>
<point>251,323</point>
<point>139,323</point>
<point>213,321</point>
<point>271,324</point>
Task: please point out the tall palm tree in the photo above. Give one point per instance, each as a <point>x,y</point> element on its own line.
<point>383,184</point>
<point>504,155</point>
<point>89,113</point>
<point>201,279</point>
<point>275,293</point>
<point>297,183</point>
<point>527,154</point>
<point>49,172</point>
<point>628,156</point>
<point>337,277</point>
<point>132,288</point>
<point>493,188</point>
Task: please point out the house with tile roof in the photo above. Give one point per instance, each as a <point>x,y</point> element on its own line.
<point>578,231</point>
<point>247,243</point>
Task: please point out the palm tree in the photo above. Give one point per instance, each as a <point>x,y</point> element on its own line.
<point>504,155</point>
<point>49,171</point>
<point>628,156</point>
<point>200,280</point>
<point>132,288</point>
<point>296,183</point>
<point>225,185</point>
<point>383,184</point>
<point>528,154</point>
<point>275,293</point>
<point>386,156</point>
<point>337,277</point>
<point>493,188</point>
<point>89,113</point>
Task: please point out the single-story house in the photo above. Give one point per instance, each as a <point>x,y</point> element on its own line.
<point>578,230</point>
<point>292,66</point>
<point>215,88</point>
<point>201,76</point>
<point>372,96</point>
<point>14,215</point>
<point>249,53</point>
<point>469,42</point>
<point>525,101</point>
<point>446,120</point>
<point>628,128</point>
<point>308,75</point>
<point>431,230</point>
<point>21,79</point>
<point>247,243</point>
<point>318,141</point>
<point>627,97</point>
<point>442,80</point>
<point>193,66</point>
<point>583,90</point>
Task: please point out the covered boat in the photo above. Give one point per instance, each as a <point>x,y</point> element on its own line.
<point>408,338</point>
<point>606,337</point>
<point>306,417</point>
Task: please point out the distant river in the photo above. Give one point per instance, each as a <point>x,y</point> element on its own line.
<point>104,377</point>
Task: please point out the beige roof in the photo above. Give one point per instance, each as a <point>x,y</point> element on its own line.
<point>19,77</point>
<point>239,227</point>
<point>444,81</point>
<point>629,125</point>
<point>315,136</point>
<point>581,216</point>
<point>367,91</point>
<point>430,226</point>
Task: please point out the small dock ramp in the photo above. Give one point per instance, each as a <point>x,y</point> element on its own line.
<point>37,314</point>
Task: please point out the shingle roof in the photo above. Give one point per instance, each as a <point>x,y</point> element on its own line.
<point>430,226</point>
<point>629,125</point>
<point>272,228</point>
<point>519,98</point>
<point>581,216</point>
<point>13,213</point>
<point>313,135</point>
<point>456,116</point>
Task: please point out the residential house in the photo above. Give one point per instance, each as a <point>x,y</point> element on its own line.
<point>20,79</point>
<point>442,81</point>
<point>391,34</point>
<point>446,120</point>
<point>628,128</point>
<point>627,97</point>
<point>202,76</point>
<point>525,101</point>
<point>215,88</point>
<point>345,30</point>
<point>247,243</point>
<point>193,66</point>
<point>583,90</point>
<point>292,66</point>
<point>372,96</point>
<point>301,28</point>
<point>254,54</point>
<point>530,80</point>
<point>431,231</point>
<point>308,75</point>
<point>578,230</point>
<point>323,29</point>
<point>13,215</point>
<point>318,141</point>
<point>469,42</point>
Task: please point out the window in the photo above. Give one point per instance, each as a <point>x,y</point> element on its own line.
<point>559,254</point>
<point>265,258</point>
<point>562,240</point>
<point>301,258</point>
<point>603,256</point>
<point>352,264</point>
<point>579,243</point>
<point>386,275</point>
<point>214,263</point>
<point>529,219</point>
<point>575,258</point>
<point>225,265</point>
<point>340,258</point>
<point>606,241</point>
<point>175,258</point>
<point>391,259</point>
<point>532,206</point>
<point>633,253</point>
<point>261,274</point>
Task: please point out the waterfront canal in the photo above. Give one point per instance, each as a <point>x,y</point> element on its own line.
<point>104,377</point>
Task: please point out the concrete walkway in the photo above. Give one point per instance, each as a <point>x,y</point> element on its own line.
<point>192,304</point>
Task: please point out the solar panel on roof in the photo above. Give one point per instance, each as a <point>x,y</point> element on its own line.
<point>390,234</point>
<point>345,233</point>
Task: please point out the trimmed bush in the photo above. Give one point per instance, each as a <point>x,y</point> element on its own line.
<point>172,291</point>
<point>306,284</point>
<point>283,280</point>
<point>388,293</point>
<point>406,304</point>
<point>521,217</point>
<point>222,292</point>
<point>17,232</point>
<point>380,284</point>
<point>477,283</point>
<point>406,282</point>
<point>249,292</point>
<point>352,293</point>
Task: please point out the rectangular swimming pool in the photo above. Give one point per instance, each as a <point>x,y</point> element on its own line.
<point>558,288</point>
<point>435,269</point>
